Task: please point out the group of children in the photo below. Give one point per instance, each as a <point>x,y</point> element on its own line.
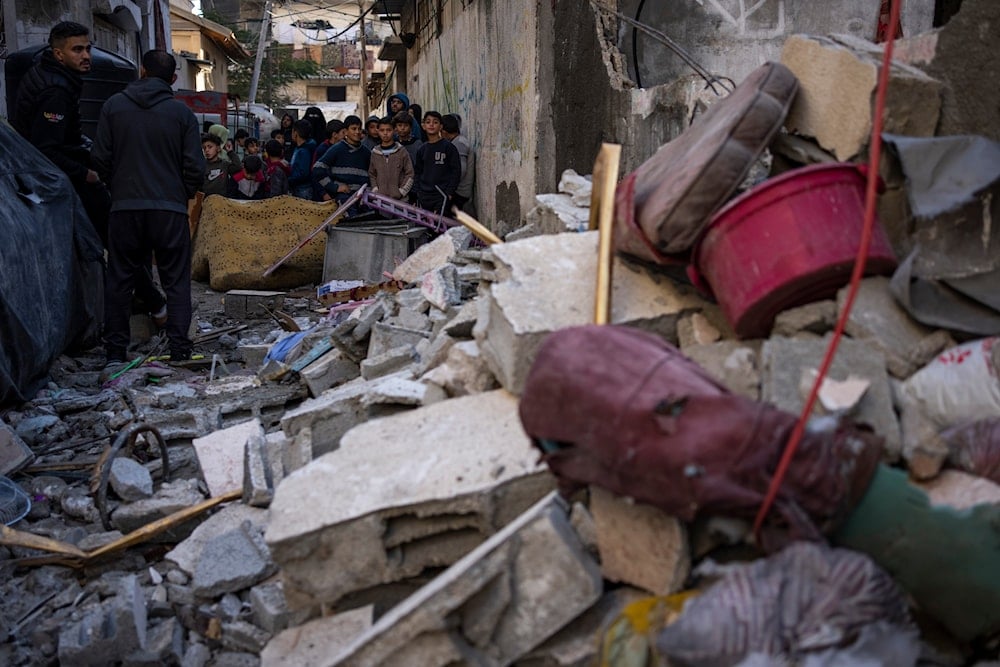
<point>434,172</point>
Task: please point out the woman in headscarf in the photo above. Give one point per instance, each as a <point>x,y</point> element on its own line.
<point>318,122</point>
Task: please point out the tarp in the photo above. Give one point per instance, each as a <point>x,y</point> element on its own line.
<point>51,275</point>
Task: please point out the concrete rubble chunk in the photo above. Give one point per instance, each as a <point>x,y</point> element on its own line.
<point>464,371</point>
<point>877,319</point>
<point>169,498</point>
<point>639,545</point>
<point>387,337</point>
<point>837,80</point>
<point>130,480</point>
<point>818,317</point>
<point>411,319</point>
<point>432,255</point>
<point>733,364</point>
<point>189,553</point>
<point>787,366</point>
<point>546,283</point>
<point>108,632</point>
<point>412,298</point>
<point>164,645</point>
<point>554,214</point>
<point>231,562</point>
<point>242,636</point>
<point>577,186</point>
<point>435,353</point>
<point>390,361</point>
<point>401,389</point>
<point>14,453</point>
<point>328,417</point>
<point>262,470</point>
<point>442,287</point>
<point>269,609</point>
<point>460,326</point>
<point>403,493</point>
<point>494,605</point>
<point>312,644</point>
<point>330,370</point>
<point>220,455</point>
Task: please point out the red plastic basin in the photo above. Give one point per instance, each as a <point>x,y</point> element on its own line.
<point>789,241</point>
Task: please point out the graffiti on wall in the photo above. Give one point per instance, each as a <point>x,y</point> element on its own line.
<point>753,19</point>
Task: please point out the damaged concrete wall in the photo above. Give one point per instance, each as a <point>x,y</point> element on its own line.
<point>731,39</point>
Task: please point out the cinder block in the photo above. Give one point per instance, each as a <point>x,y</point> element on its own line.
<point>221,454</point>
<point>242,304</point>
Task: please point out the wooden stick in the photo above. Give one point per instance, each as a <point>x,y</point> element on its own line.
<point>477,228</point>
<point>602,208</point>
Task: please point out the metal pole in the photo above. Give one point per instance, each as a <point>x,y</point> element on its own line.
<point>265,22</point>
<point>364,59</point>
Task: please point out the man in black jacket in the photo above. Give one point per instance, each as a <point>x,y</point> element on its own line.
<point>47,114</point>
<point>148,148</point>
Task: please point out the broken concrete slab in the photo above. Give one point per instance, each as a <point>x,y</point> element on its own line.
<point>464,371</point>
<point>640,545</point>
<point>221,454</point>
<point>315,642</point>
<point>232,561</point>
<point>390,361</point>
<point>494,605</point>
<point>242,636</point>
<point>270,611</point>
<point>546,283</point>
<point>328,416</point>
<point>877,318</point>
<point>441,287</point>
<point>403,493</point>
<point>733,364</point>
<point>433,255</point>
<point>262,470</point>
<point>241,304</point>
<point>818,317</point>
<point>130,480</point>
<point>330,370</point>
<point>386,337</point>
<point>410,319</point>
<point>460,326</point>
<point>169,498</point>
<point>786,365</point>
<point>401,389</point>
<point>837,80</point>
<point>14,453</point>
<point>108,632</point>
<point>188,553</point>
<point>554,213</point>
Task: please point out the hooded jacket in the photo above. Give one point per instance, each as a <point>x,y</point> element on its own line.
<point>47,113</point>
<point>416,133</point>
<point>148,149</point>
<point>391,171</point>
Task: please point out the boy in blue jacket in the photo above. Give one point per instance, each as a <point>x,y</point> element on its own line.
<point>300,180</point>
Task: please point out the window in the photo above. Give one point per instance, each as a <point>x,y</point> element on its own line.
<point>336,93</point>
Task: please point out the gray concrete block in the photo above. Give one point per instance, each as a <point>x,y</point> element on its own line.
<point>497,603</point>
<point>243,636</point>
<point>546,283</point>
<point>386,337</point>
<point>330,370</point>
<point>130,480</point>
<point>269,609</point>
<point>231,562</point>
<point>315,642</point>
<point>818,317</point>
<point>462,467</point>
<point>390,361</point>
<point>785,381</point>
<point>462,323</point>
<point>242,304</point>
<point>189,553</point>
<point>169,498</point>
<point>108,632</point>
<point>432,255</point>
<point>258,475</point>
<point>441,287</point>
<point>464,371</point>
<point>221,455</point>
<point>411,319</point>
<point>401,389</point>
<point>328,416</point>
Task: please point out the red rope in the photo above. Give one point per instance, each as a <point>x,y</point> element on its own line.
<point>875,151</point>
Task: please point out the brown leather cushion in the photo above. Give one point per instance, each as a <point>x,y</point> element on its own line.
<point>662,207</point>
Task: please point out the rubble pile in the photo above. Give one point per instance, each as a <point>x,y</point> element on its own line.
<point>361,484</point>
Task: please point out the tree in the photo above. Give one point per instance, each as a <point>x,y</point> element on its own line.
<point>280,68</point>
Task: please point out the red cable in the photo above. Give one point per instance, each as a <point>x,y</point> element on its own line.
<point>875,146</point>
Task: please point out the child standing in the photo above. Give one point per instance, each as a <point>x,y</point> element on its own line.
<point>217,170</point>
<point>390,171</point>
<point>276,170</point>
<point>248,183</point>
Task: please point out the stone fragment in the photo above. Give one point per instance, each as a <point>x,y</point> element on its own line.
<point>411,319</point>
<point>434,354</point>
<point>243,636</point>
<point>695,329</point>
<point>31,429</point>
<point>196,655</point>
<point>462,323</point>
<point>554,213</point>
<point>387,337</point>
<point>504,598</point>
<point>577,186</point>
<point>837,80</point>
<point>785,362</point>
<point>130,480</point>
<point>164,645</point>
<point>733,364</point>
<point>189,553</point>
<point>959,490</point>
<point>390,361</point>
<point>432,255</point>
<point>270,611</point>
<point>14,453</point>
<point>78,504</point>
<point>330,370</point>
<point>242,304</point>
<point>877,319</point>
<point>108,632</point>
<point>297,451</point>
<point>169,498</point>
<point>328,416</point>
<point>259,474</point>
<point>464,371</point>
<point>403,493</point>
<point>441,287</point>
<point>401,389</point>
<point>231,562</point>
<point>253,354</point>
<point>639,544</point>
<point>314,643</point>
<point>412,298</point>
<point>818,317</point>
<point>546,283</point>
<point>221,453</point>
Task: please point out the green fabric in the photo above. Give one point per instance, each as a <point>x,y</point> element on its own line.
<point>948,560</point>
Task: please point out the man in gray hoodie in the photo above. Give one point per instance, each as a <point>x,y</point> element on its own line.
<point>148,149</point>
